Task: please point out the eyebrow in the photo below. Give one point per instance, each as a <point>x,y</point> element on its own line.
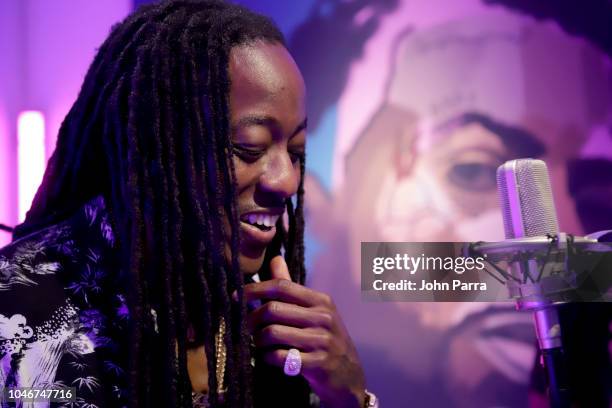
<point>517,139</point>
<point>266,121</point>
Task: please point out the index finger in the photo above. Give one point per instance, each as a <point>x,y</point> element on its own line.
<point>279,269</point>
<point>285,291</point>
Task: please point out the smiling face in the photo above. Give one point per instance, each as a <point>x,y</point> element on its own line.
<point>268,120</point>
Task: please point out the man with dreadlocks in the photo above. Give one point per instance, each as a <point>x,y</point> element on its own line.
<point>177,180</point>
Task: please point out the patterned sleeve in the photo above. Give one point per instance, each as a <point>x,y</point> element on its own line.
<point>51,335</point>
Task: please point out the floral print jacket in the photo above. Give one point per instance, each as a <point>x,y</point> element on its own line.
<point>63,318</point>
<point>54,329</point>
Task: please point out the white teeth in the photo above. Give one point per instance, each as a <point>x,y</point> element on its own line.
<point>262,219</point>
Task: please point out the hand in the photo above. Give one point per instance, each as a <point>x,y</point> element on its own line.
<point>302,318</point>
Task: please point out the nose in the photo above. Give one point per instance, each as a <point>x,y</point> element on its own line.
<point>280,177</point>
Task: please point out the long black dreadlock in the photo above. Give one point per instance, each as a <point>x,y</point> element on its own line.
<point>150,132</point>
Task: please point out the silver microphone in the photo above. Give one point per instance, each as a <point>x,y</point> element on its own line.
<point>529,211</point>
<point>544,268</point>
<point>538,277</point>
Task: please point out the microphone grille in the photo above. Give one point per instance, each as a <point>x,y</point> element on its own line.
<point>526,199</point>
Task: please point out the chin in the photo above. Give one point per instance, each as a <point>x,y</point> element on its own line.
<point>250,265</point>
<point>250,259</point>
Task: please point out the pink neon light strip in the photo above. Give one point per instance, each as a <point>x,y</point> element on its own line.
<point>30,156</point>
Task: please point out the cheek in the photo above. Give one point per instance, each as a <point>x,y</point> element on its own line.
<point>246,173</point>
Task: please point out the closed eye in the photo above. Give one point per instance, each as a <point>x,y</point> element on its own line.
<point>248,155</point>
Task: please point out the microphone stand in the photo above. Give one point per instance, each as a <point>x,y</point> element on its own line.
<point>548,331</point>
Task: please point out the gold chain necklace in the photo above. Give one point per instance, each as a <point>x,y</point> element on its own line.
<point>199,399</point>
<point>221,352</point>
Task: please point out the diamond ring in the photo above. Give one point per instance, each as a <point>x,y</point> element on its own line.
<point>293,362</point>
